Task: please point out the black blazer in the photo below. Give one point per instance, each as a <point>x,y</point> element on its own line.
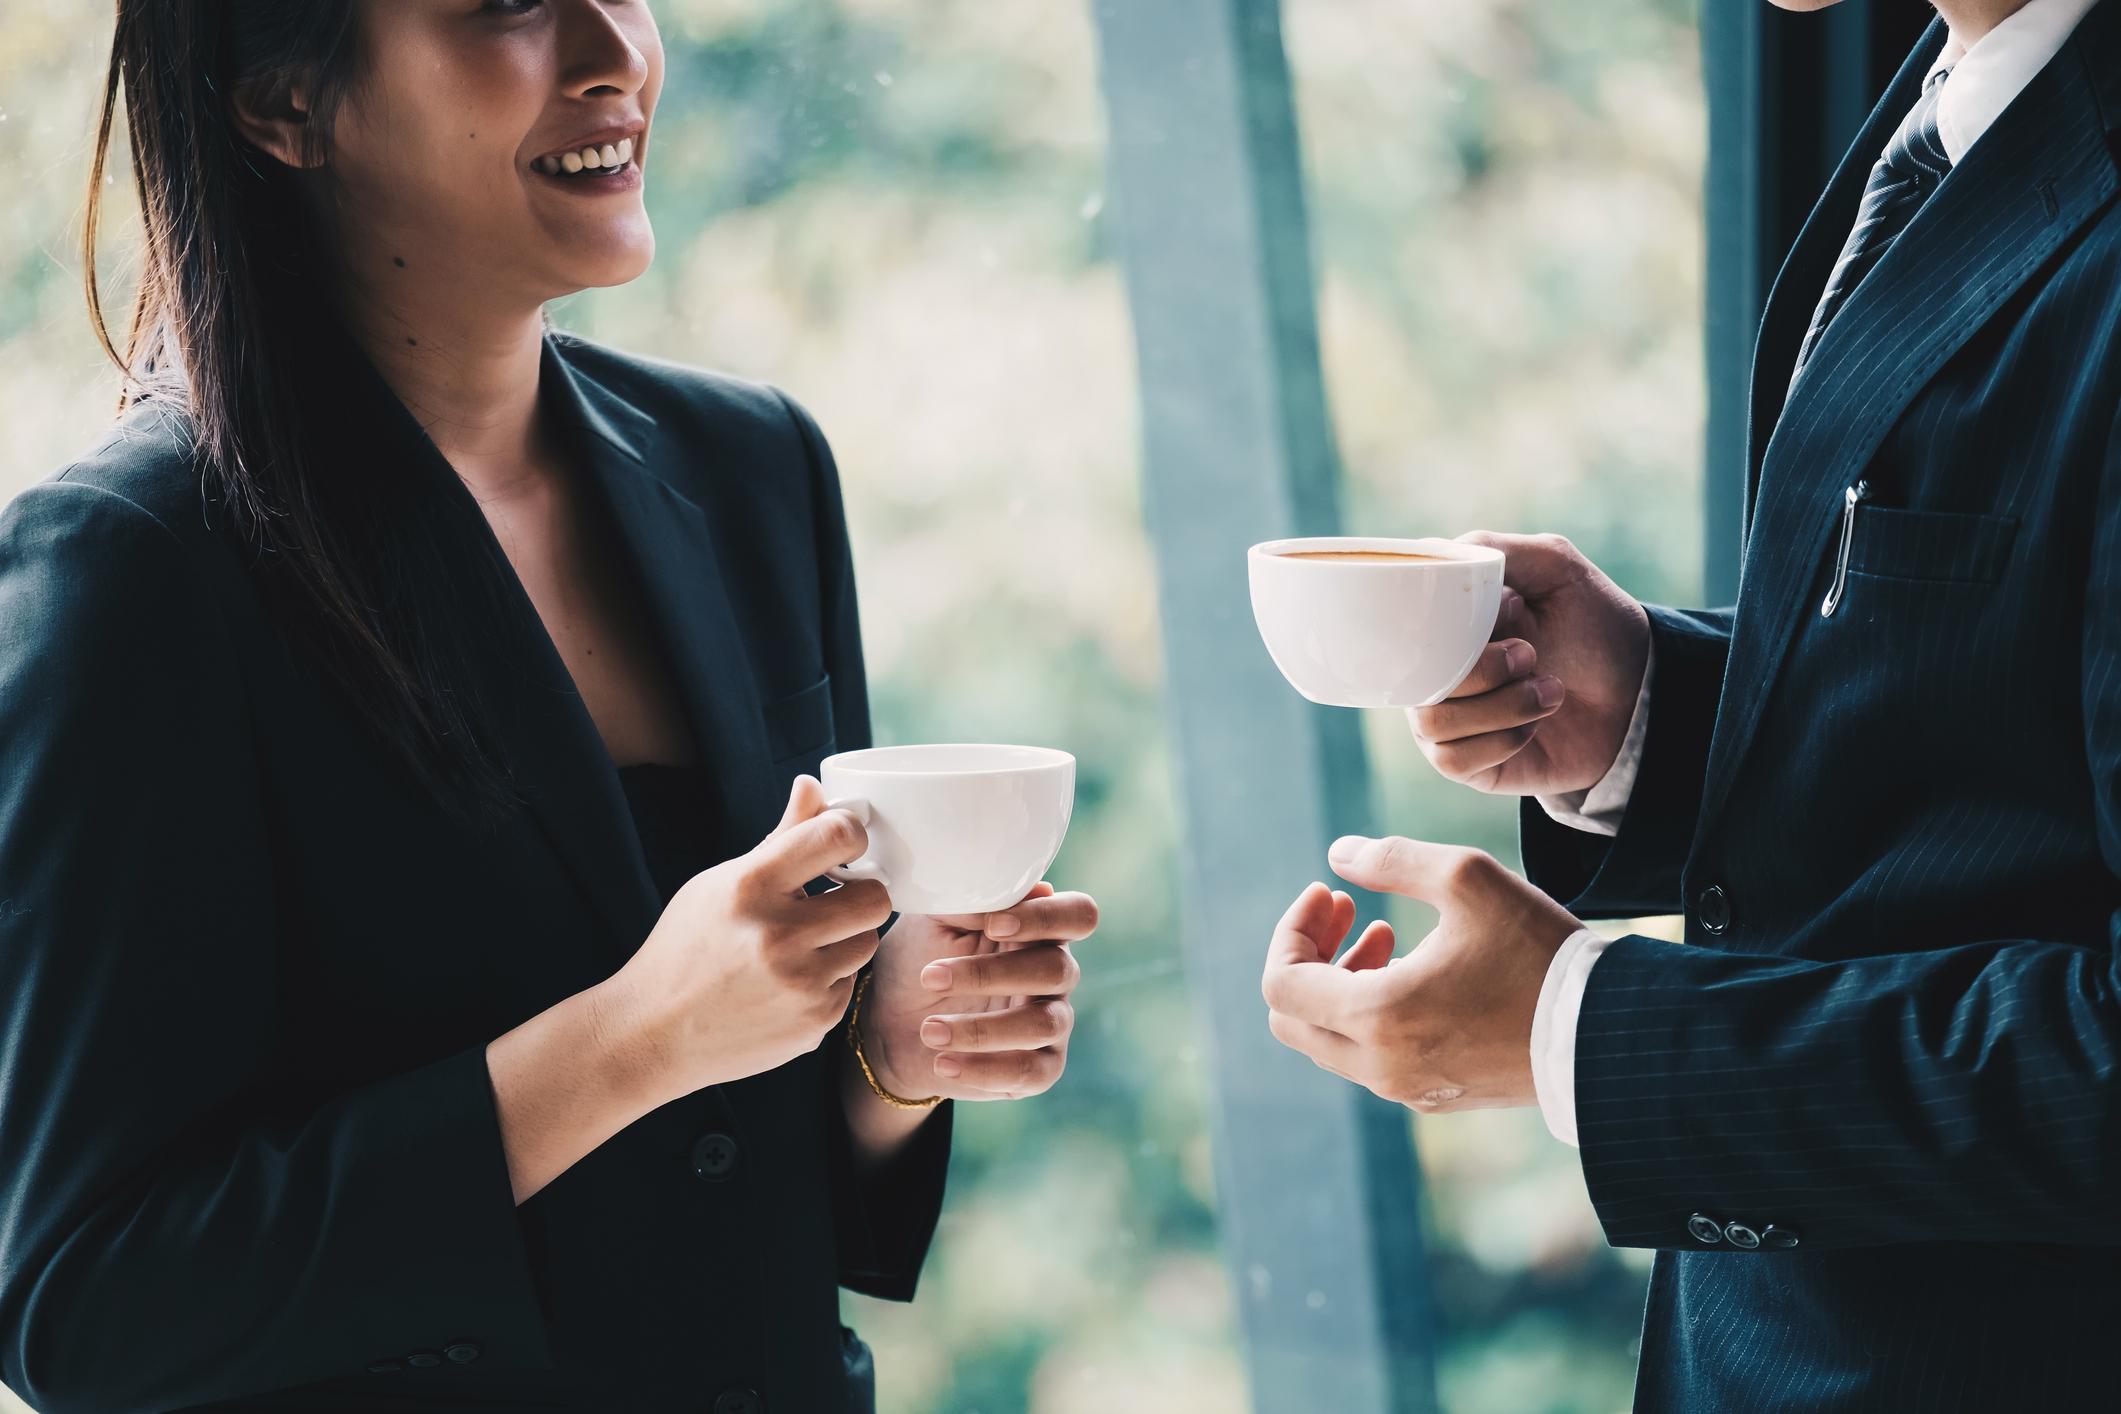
<point>248,971</point>
<point>1892,1055</point>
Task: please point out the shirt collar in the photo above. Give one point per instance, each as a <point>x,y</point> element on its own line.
<point>1987,75</point>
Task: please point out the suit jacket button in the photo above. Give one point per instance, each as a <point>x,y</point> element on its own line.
<point>1739,1235</point>
<point>1712,906</point>
<point>1773,1236</point>
<point>386,1366</point>
<point>424,1359</point>
<point>713,1157</point>
<point>740,1401</point>
<point>462,1353</point>
<point>1706,1229</point>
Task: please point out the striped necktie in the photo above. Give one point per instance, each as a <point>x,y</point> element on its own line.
<point>1913,164</point>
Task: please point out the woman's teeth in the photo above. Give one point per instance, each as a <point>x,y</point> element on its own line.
<point>587,159</point>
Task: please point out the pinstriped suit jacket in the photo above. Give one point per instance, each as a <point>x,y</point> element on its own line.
<point>1896,831</point>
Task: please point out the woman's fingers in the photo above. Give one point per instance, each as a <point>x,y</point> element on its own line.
<point>1010,1074</point>
<point>1511,705</point>
<point>843,959</point>
<point>1045,970</point>
<point>854,908</point>
<point>978,922</point>
<point>1030,1027</point>
<point>1056,918</point>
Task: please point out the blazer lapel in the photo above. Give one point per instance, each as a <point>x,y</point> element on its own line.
<point>670,538</point>
<point>2032,181</point>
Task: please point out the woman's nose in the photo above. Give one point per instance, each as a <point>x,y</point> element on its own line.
<point>599,54</point>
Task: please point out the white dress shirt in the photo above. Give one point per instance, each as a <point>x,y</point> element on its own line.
<point>1986,77</point>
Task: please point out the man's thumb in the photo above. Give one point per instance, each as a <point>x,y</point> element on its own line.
<point>1432,873</point>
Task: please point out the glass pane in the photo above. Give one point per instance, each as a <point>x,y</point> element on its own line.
<point>1506,215</point>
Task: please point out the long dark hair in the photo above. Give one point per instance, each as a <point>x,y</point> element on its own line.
<point>223,329</point>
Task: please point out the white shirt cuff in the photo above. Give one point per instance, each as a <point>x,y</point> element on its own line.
<point>1598,810</point>
<point>1554,1031</point>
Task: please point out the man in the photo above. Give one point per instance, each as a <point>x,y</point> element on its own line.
<point>1871,1118</point>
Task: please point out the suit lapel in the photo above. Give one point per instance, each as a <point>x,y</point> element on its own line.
<point>670,539</point>
<point>1803,276</point>
<point>2032,181</point>
<point>485,622</point>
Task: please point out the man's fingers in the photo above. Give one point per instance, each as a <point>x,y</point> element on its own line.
<point>1533,565</point>
<point>1466,758</point>
<point>1342,920</point>
<point>1298,978</point>
<point>1011,1074</point>
<point>802,850</point>
<point>1329,1049</point>
<point>1044,970</point>
<point>1372,950</point>
<point>1030,1027</point>
<point>1434,873</point>
<point>1511,705</point>
<point>1305,933</point>
<point>1503,661</point>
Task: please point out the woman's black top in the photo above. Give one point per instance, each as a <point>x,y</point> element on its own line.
<point>249,964</point>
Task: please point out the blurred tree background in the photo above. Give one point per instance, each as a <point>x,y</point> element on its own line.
<point>896,210</point>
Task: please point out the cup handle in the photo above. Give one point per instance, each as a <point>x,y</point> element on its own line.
<point>861,871</point>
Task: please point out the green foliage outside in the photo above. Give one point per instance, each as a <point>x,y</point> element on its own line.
<point>896,209</point>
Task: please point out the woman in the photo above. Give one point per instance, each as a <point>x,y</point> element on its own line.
<point>410,996</point>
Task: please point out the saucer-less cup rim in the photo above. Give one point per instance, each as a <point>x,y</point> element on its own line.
<point>1372,544</point>
<point>932,759</point>
<point>1276,575</point>
<point>928,759</point>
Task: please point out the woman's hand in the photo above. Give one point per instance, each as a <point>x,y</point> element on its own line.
<point>976,1007</point>
<point>1546,707</point>
<point>745,971</point>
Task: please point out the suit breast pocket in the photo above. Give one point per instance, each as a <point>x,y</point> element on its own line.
<point>1930,547</point>
<point>799,727</point>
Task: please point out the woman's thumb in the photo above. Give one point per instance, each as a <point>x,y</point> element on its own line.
<point>806,800</point>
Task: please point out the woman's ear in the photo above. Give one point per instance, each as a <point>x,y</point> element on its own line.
<point>272,115</point>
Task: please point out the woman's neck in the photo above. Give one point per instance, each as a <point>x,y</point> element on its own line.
<point>469,374</point>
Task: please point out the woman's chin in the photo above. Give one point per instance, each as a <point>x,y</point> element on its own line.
<point>614,265</point>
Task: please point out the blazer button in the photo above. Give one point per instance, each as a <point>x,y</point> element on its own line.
<point>713,1157</point>
<point>387,1366</point>
<point>1782,1237</point>
<point>1707,1231</point>
<point>424,1359</point>
<point>1712,906</point>
<point>1739,1235</point>
<point>740,1401</point>
<point>462,1353</point>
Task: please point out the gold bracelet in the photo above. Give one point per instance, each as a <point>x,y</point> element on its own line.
<point>854,1043</point>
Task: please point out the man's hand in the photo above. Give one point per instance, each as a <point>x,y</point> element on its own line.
<point>1448,1026</point>
<point>1545,709</point>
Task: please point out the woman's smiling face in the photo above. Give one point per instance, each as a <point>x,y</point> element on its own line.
<point>466,143</point>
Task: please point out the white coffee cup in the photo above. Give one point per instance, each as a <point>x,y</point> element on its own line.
<point>1352,633</point>
<point>954,829</point>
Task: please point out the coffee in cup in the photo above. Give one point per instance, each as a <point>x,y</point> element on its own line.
<point>957,828</point>
<point>1360,622</point>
